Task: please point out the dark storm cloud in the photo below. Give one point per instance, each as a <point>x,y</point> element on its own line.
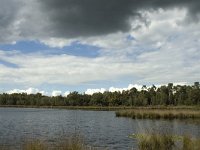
<point>8,14</point>
<point>72,18</point>
<point>79,18</point>
<point>89,17</point>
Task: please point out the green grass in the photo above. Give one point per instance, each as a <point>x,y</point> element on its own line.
<point>159,113</point>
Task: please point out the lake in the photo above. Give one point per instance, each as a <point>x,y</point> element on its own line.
<point>99,128</point>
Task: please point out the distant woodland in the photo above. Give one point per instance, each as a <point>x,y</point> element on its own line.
<point>163,95</point>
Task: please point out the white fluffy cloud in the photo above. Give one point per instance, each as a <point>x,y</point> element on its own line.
<point>63,69</point>
<point>113,89</point>
<point>35,91</point>
<point>66,93</point>
<point>28,91</point>
<point>91,91</point>
<point>56,93</point>
<point>57,42</point>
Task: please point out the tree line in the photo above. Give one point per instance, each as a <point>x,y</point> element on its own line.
<point>163,95</point>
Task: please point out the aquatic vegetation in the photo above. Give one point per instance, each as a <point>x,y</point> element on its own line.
<point>191,144</point>
<point>74,143</point>
<point>69,143</point>
<point>159,141</point>
<point>156,142</point>
<point>159,113</point>
<point>34,145</point>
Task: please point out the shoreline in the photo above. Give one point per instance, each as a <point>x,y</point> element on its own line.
<point>106,108</point>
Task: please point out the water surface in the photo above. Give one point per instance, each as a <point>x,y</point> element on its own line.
<point>99,128</point>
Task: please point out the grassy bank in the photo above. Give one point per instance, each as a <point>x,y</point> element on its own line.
<point>166,142</point>
<point>159,113</point>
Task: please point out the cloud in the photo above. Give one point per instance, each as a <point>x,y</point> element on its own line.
<point>56,23</point>
<point>35,91</point>
<point>61,69</point>
<point>56,93</point>
<point>28,91</point>
<point>66,93</point>
<point>160,52</point>
<point>57,42</point>
<point>113,89</point>
<point>130,86</point>
<point>91,91</point>
<point>92,17</point>
<point>8,20</point>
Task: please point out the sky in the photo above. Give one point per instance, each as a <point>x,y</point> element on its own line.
<point>58,46</point>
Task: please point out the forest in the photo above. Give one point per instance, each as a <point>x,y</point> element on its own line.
<point>163,95</point>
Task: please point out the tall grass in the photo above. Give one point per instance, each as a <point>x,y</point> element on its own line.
<point>167,142</point>
<point>72,143</point>
<point>156,142</point>
<point>34,145</point>
<point>191,144</point>
<point>159,113</point>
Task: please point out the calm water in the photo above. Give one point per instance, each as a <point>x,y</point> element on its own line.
<point>99,128</point>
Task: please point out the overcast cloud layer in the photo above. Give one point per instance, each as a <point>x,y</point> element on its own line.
<point>154,41</point>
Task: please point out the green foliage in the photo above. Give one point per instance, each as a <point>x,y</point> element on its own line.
<point>164,95</point>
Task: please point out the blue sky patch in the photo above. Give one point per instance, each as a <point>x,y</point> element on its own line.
<point>130,38</point>
<point>8,64</point>
<point>75,49</point>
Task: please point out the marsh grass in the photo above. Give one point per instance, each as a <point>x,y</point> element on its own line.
<point>190,144</point>
<point>70,143</point>
<point>3,147</point>
<point>159,113</point>
<point>34,145</point>
<point>156,142</point>
<point>166,142</point>
<point>75,142</point>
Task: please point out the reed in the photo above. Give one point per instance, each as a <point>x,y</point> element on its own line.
<point>159,113</point>
<point>166,142</point>
<point>34,145</point>
<point>190,144</point>
<point>70,143</point>
<point>156,142</point>
<point>73,143</point>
